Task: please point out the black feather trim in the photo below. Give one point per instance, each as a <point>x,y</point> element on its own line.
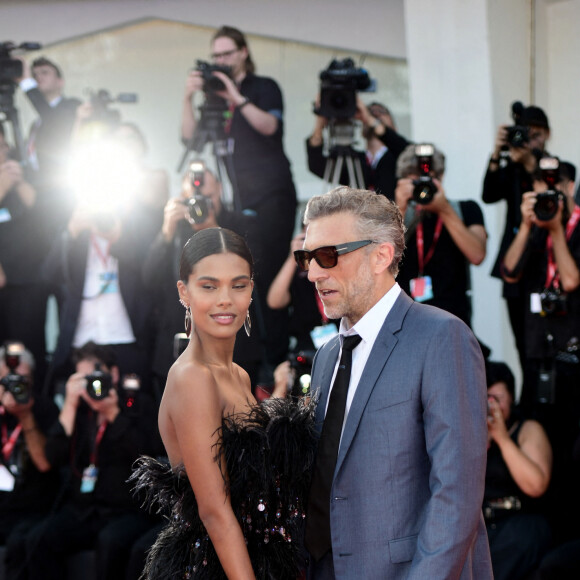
<point>268,454</point>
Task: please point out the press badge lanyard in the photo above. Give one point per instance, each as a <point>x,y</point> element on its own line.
<point>104,259</point>
<point>423,260</point>
<point>98,440</point>
<point>91,473</point>
<point>9,442</point>
<point>552,276</point>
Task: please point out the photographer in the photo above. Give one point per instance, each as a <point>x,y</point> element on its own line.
<point>383,147</point>
<point>519,467</point>
<point>508,175</point>
<point>545,258</point>
<point>96,264</point>
<point>443,237</point>
<point>29,485</point>
<point>49,139</point>
<point>97,438</point>
<point>161,268</point>
<point>22,295</point>
<point>261,172</point>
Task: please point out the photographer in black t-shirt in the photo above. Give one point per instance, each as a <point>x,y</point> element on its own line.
<point>443,238</point>
<point>260,170</point>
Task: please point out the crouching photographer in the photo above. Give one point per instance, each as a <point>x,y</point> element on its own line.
<point>95,440</point>
<point>545,257</point>
<point>28,485</point>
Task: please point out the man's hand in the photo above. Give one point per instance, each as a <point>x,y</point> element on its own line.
<point>439,203</point>
<point>174,212</point>
<point>26,72</point>
<point>231,93</point>
<point>10,176</point>
<point>22,411</point>
<point>107,407</point>
<point>193,84</point>
<point>403,193</point>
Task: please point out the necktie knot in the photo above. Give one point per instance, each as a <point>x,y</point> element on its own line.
<point>351,342</point>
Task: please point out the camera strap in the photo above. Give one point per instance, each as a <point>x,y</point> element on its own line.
<point>422,259</point>
<point>9,442</point>
<point>98,439</point>
<point>552,276</point>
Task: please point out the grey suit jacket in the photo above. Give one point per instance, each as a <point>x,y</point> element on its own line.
<point>408,486</point>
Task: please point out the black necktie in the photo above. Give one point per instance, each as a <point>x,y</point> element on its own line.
<point>317,533</point>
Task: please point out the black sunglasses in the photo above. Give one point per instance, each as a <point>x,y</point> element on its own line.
<point>327,256</point>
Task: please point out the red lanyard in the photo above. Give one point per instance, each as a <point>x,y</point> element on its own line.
<point>421,244</point>
<point>325,318</point>
<point>98,440</point>
<point>103,257</point>
<point>9,442</point>
<point>552,276</point>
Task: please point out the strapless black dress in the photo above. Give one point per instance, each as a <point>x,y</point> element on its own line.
<point>268,453</point>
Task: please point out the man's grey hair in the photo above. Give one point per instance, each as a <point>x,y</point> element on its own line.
<point>408,164</point>
<point>378,218</point>
<point>25,356</point>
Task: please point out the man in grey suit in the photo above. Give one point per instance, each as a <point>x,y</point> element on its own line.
<point>398,494</point>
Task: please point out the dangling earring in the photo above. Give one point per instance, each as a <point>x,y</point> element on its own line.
<point>248,324</point>
<point>248,321</point>
<point>188,320</point>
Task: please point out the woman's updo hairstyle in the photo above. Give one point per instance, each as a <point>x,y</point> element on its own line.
<point>209,242</point>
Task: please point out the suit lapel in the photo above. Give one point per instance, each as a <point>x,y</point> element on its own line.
<point>380,353</point>
<point>323,379</point>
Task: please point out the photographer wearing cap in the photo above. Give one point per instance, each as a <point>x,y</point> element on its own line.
<point>545,258</point>
<point>198,207</point>
<point>96,438</point>
<point>443,237</point>
<point>383,147</point>
<point>260,171</point>
<point>29,485</point>
<point>509,174</point>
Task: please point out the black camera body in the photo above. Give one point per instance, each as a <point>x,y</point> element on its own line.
<point>99,383</point>
<point>211,83</point>
<point>518,135</point>
<point>553,302</point>
<point>11,68</point>
<point>547,202</point>
<point>18,385</point>
<point>424,189</point>
<point>101,101</point>
<point>198,205</point>
<point>301,364</point>
<point>339,84</point>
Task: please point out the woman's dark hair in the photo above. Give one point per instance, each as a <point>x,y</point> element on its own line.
<point>240,41</point>
<point>209,242</point>
<point>499,372</point>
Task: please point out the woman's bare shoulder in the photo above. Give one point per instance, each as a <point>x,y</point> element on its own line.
<point>190,380</point>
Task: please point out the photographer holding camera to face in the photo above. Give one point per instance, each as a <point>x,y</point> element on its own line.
<point>96,439</point>
<point>544,258</point>
<point>29,485</point>
<point>443,237</point>
<point>198,207</point>
<point>509,174</point>
<point>251,125</point>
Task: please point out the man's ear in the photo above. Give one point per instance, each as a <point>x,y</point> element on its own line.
<point>385,253</point>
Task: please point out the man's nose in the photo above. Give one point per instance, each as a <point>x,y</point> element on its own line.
<point>315,272</point>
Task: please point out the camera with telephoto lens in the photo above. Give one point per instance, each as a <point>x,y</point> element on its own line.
<point>301,365</point>
<point>547,202</point>
<point>99,383</point>
<point>339,84</point>
<point>553,302</point>
<point>424,189</point>
<point>211,83</point>
<point>11,68</point>
<point>198,205</point>
<point>18,385</point>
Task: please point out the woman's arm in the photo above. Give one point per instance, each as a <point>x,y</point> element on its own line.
<point>530,461</point>
<point>195,412</point>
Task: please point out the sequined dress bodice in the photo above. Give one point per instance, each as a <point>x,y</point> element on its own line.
<point>268,454</point>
